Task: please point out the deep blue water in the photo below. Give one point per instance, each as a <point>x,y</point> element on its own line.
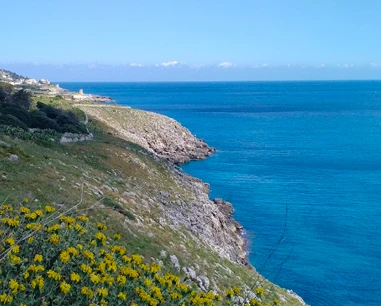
<point>301,163</point>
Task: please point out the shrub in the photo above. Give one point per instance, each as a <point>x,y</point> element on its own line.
<point>5,92</point>
<point>22,98</point>
<point>19,112</point>
<point>16,132</point>
<point>43,122</point>
<point>12,121</point>
<point>50,111</point>
<point>68,128</point>
<point>37,113</point>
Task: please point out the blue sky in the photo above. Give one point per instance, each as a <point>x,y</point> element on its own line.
<point>192,40</point>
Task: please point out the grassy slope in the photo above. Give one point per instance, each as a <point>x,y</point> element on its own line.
<point>57,173</point>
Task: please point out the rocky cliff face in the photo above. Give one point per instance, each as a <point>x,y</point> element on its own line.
<point>210,220</point>
<point>157,133</point>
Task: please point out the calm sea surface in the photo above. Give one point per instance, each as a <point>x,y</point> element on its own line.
<point>301,163</point>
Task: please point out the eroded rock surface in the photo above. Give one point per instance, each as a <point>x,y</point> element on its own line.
<point>157,133</point>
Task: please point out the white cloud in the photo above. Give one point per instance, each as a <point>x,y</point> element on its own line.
<point>225,65</point>
<point>169,64</point>
<point>374,65</point>
<point>346,66</point>
<point>136,65</point>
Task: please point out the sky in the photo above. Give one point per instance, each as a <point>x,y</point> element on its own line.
<point>123,40</point>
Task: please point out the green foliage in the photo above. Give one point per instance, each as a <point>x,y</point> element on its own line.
<point>19,112</point>
<point>22,98</point>
<point>17,132</point>
<point>12,121</point>
<point>43,122</point>
<point>50,111</point>
<point>5,91</point>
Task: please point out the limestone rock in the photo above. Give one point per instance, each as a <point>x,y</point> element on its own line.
<point>175,262</point>
<point>13,158</point>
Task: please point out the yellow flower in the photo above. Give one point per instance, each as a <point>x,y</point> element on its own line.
<point>88,254</point>
<point>53,228</point>
<point>101,226</point>
<point>24,210</point>
<point>103,303</point>
<point>35,268</point>
<point>49,209</point>
<point>122,296</point>
<point>16,249</point>
<point>30,239</point>
<point>79,229</point>
<point>88,292</point>
<point>14,286</point>
<point>101,237</point>
<point>6,299</point>
<point>72,251</point>
<point>10,241</point>
<point>39,213</point>
<point>148,282</point>
<point>176,296</point>
<point>38,282</point>
<point>31,216</point>
<point>74,277</point>
<point>86,269</point>
<point>95,278</point>
<point>259,291</point>
<point>26,200</point>
<point>65,287</point>
<point>137,259</point>
<point>116,236</point>
<point>37,258</point>
<point>121,280</point>
<point>102,292</point>
<point>54,275</point>
<point>64,256</point>
<point>15,259</point>
<point>83,218</point>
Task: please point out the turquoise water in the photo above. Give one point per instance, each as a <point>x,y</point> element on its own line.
<point>301,163</point>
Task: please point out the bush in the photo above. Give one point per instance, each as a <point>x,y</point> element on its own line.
<point>12,121</point>
<point>22,98</point>
<point>68,128</point>
<point>43,122</point>
<point>5,92</point>
<point>50,111</point>
<point>16,132</point>
<point>21,113</point>
<point>37,113</point>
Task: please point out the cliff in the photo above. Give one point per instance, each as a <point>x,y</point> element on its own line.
<point>157,133</point>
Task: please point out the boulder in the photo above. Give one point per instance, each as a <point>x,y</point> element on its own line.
<point>13,158</point>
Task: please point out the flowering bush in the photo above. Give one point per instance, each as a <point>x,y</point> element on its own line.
<point>50,258</point>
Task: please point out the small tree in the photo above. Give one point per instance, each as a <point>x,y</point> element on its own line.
<point>22,98</point>
<point>5,92</point>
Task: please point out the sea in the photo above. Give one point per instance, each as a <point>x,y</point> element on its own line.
<point>300,162</point>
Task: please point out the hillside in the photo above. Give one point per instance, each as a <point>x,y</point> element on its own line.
<point>160,212</point>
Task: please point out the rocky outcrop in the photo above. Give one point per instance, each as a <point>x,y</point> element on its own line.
<point>70,137</point>
<point>210,221</point>
<point>157,133</point>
